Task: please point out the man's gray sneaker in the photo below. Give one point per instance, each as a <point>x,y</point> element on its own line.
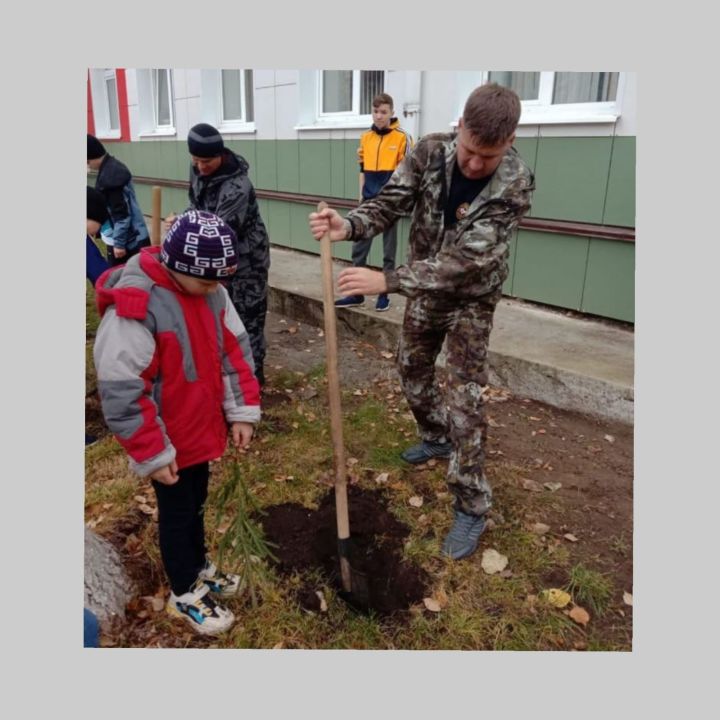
<point>462,540</point>
<point>426,451</point>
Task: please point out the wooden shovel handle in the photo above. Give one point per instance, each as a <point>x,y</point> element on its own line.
<point>156,210</point>
<point>341,504</point>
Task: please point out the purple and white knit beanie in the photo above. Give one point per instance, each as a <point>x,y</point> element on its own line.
<point>201,245</point>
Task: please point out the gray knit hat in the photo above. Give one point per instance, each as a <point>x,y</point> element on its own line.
<point>205,141</point>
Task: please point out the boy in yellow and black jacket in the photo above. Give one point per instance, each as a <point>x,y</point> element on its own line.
<point>382,147</point>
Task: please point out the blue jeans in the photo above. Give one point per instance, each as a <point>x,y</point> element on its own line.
<point>91,629</point>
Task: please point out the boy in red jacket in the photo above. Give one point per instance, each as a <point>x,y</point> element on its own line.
<point>174,371</point>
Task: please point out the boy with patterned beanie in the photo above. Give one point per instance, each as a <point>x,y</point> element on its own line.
<point>175,371</point>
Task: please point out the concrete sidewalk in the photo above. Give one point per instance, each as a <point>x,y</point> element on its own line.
<point>575,364</point>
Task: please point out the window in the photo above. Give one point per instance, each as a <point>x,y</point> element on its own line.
<point>162,98</point>
<point>111,99</point>
<point>348,93</point>
<point>236,96</point>
<point>549,97</point>
<point>103,85</point>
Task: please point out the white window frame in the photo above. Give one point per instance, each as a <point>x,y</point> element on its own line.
<point>211,109</point>
<point>101,103</point>
<point>349,119</point>
<point>160,129</point>
<point>543,112</point>
<point>242,124</point>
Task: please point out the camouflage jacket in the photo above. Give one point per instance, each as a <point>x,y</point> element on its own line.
<point>468,260</point>
<point>229,193</point>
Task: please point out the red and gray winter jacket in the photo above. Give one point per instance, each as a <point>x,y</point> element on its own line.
<point>173,369</point>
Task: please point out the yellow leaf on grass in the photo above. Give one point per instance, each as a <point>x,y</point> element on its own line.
<point>580,615</point>
<point>416,501</point>
<point>556,597</point>
<point>381,478</point>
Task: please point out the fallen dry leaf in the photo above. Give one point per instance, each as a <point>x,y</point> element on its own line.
<point>382,478</point>
<point>528,484</point>
<point>570,537</point>
<point>441,597</point>
<point>140,499</point>
<point>352,461</point>
<point>610,438</point>
<point>552,486</point>
<point>147,509</point>
<point>556,597</point>
<point>432,604</point>
<point>279,646</point>
<point>416,501</point>
<point>580,615</point>
<point>388,355</point>
<point>627,598</point>
<point>292,329</point>
<point>540,528</point>
<point>493,562</point>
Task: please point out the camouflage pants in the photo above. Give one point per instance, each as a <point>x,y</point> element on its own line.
<point>456,411</point>
<point>249,296</point>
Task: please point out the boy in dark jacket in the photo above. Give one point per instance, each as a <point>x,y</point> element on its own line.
<point>219,184</point>
<point>174,370</point>
<point>126,232</point>
<point>381,149</point>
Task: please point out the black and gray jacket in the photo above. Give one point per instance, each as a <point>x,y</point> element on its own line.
<point>229,193</point>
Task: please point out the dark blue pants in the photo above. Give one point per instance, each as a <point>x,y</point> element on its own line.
<point>181,525</point>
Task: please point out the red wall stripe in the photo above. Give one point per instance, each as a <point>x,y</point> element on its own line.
<point>123,105</point>
<point>90,116</point>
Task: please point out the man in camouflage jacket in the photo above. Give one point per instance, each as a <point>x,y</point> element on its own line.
<point>466,193</point>
<point>219,184</point>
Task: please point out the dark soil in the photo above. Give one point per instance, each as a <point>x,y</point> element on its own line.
<point>307,539</point>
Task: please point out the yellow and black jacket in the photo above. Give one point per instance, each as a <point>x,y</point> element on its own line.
<point>380,152</point>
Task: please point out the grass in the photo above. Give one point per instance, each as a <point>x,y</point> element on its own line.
<point>287,462</point>
<point>590,588</point>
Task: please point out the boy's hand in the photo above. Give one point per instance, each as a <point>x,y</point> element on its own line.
<point>326,219</point>
<point>119,252</point>
<point>167,475</point>
<point>242,432</point>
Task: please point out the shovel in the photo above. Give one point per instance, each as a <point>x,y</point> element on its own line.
<point>354,583</point>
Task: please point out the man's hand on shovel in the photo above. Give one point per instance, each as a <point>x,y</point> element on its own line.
<point>328,220</point>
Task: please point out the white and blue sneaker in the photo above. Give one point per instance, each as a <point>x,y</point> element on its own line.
<point>200,611</point>
<point>219,583</point>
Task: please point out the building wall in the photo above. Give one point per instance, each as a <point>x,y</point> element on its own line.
<point>585,173</point>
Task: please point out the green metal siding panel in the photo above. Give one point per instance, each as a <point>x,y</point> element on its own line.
<point>165,160</point>
<point>620,202</point>
<point>550,268</point>
<point>266,154</point>
<point>610,280</point>
<point>300,235</point>
<point>527,147</point>
<point>315,167</point>
<point>337,168</point>
<point>352,170</point>
<point>277,221</point>
<point>288,165</point>
<point>246,149</point>
<point>572,178</point>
